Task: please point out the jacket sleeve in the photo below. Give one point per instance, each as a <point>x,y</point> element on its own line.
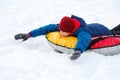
<point>44,30</point>
<point>84,39</point>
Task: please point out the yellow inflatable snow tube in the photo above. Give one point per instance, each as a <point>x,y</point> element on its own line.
<point>55,38</point>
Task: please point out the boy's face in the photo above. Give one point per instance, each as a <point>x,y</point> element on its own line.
<point>65,34</point>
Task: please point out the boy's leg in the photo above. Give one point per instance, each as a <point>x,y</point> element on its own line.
<point>116,30</point>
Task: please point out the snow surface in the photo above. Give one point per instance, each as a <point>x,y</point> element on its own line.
<point>34,59</point>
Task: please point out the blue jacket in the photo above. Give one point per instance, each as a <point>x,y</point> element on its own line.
<point>84,33</point>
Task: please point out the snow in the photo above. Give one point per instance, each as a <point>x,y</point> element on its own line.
<point>34,59</point>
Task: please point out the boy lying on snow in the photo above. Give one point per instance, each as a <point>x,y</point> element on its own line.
<point>71,26</point>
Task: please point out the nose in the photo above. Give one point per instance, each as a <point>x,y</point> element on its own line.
<point>62,35</point>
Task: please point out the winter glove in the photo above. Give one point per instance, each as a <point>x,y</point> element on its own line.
<point>76,55</point>
<point>23,36</point>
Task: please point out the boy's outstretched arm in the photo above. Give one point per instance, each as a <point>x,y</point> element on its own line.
<point>44,30</point>
<point>37,32</point>
<point>84,39</point>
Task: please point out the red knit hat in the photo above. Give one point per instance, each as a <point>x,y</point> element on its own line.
<point>67,24</point>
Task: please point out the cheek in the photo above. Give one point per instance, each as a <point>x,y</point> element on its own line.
<point>64,34</point>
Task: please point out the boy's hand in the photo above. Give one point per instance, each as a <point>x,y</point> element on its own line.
<point>22,36</point>
<point>76,55</point>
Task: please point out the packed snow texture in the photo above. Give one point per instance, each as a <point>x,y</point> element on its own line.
<point>34,59</point>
